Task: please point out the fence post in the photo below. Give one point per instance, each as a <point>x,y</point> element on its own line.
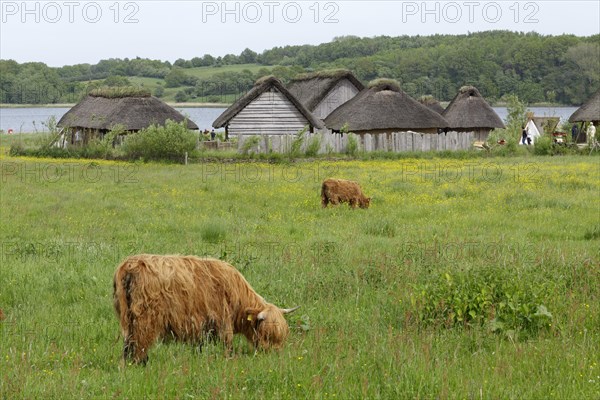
<point>186,158</point>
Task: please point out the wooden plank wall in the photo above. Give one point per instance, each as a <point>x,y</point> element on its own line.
<point>341,93</point>
<point>271,113</point>
<point>336,143</point>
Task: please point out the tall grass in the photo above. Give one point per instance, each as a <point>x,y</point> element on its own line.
<point>358,275</point>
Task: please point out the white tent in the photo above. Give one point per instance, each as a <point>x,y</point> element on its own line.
<point>532,131</point>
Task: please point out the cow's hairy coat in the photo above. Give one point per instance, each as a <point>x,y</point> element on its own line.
<point>190,299</point>
<point>336,191</point>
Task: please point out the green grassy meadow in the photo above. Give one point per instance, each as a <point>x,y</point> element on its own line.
<point>359,275</point>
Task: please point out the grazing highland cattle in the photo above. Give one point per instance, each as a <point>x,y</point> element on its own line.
<point>336,191</point>
<point>190,299</point>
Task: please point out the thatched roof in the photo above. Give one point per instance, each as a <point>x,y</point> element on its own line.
<point>432,103</point>
<point>261,86</point>
<point>311,89</point>
<point>384,106</point>
<point>103,109</point>
<point>589,111</point>
<point>469,110</point>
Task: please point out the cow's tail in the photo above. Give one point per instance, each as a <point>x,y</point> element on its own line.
<point>122,288</point>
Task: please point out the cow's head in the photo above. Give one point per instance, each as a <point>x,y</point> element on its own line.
<point>268,327</point>
<point>365,202</point>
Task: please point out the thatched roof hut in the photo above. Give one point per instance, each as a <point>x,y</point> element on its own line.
<point>103,109</point>
<point>588,112</point>
<point>268,108</point>
<point>469,112</point>
<point>324,91</point>
<point>384,108</point>
<point>432,103</point>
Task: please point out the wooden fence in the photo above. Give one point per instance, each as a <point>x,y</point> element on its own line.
<point>336,143</point>
<point>215,145</point>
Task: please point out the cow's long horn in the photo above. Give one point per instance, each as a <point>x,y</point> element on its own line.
<point>289,310</point>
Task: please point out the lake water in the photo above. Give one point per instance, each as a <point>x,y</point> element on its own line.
<point>33,119</point>
<point>563,112</point>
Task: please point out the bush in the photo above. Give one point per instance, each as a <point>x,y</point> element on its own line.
<point>249,144</point>
<point>313,146</point>
<point>181,97</point>
<point>352,148</point>
<point>512,133</point>
<point>169,142</point>
<point>543,146</point>
<point>17,150</point>
<point>505,303</point>
<point>296,146</point>
<point>104,148</point>
<point>511,143</point>
<point>159,91</point>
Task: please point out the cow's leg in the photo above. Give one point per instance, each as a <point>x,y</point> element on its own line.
<point>143,338</point>
<point>226,335</point>
<point>207,335</point>
<point>128,347</point>
<point>324,201</point>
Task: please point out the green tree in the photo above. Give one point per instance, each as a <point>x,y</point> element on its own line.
<point>159,91</point>
<point>177,77</point>
<point>247,56</point>
<point>181,97</point>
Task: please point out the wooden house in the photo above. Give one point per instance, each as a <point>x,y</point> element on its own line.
<point>103,109</point>
<point>469,112</point>
<point>432,103</point>
<point>589,112</point>
<point>322,92</point>
<point>383,108</point>
<point>267,109</point>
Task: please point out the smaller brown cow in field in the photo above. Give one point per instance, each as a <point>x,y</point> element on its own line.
<point>336,191</point>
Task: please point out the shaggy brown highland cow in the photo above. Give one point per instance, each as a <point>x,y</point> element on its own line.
<point>336,191</point>
<point>190,299</point>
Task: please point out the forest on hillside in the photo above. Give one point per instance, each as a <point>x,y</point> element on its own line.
<point>537,68</point>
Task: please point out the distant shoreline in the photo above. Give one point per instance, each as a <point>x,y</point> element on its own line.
<point>69,105</point>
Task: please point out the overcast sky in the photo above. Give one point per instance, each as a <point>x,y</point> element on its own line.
<point>70,32</point>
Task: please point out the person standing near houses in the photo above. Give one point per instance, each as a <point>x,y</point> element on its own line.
<point>591,134</point>
<point>212,134</point>
<point>523,135</point>
<point>574,132</point>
